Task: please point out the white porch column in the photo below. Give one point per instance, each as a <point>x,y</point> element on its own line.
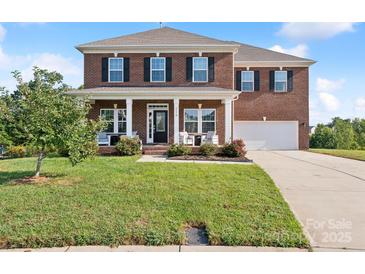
<point>228,119</point>
<point>129,103</point>
<point>176,120</point>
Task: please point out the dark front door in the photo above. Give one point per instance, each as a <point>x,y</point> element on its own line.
<point>160,126</point>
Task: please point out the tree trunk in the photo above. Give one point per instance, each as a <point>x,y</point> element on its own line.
<point>39,163</point>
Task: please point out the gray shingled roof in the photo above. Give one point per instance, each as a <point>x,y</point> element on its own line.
<point>161,36</point>
<point>252,53</point>
<point>169,36</point>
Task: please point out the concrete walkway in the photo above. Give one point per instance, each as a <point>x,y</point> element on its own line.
<point>326,193</point>
<point>164,159</point>
<point>167,248</point>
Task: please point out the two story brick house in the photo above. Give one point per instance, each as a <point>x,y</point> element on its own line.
<point>162,82</point>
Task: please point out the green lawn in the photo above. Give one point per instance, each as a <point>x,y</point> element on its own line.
<point>352,154</point>
<point>114,200</point>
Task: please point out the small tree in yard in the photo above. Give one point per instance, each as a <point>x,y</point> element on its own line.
<point>54,120</point>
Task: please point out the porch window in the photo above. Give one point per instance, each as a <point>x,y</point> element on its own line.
<point>158,69</point>
<point>200,69</point>
<point>116,69</point>
<point>208,120</point>
<point>281,79</point>
<point>116,120</point>
<point>199,120</point>
<point>191,120</point>
<point>247,81</point>
<point>122,120</point>
<point>108,116</point>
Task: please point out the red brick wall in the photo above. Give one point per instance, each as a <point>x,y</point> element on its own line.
<point>223,70</point>
<point>291,105</point>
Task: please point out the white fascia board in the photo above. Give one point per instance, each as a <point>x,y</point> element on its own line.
<point>273,63</point>
<point>161,49</point>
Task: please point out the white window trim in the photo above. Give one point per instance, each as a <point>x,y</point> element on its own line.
<point>207,69</point>
<point>245,81</point>
<point>164,69</point>
<point>115,119</point>
<point>286,81</point>
<point>200,119</point>
<point>109,69</point>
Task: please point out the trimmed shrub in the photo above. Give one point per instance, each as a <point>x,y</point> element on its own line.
<point>208,149</point>
<point>178,150</point>
<point>236,148</point>
<point>16,151</point>
<point>128,146</point>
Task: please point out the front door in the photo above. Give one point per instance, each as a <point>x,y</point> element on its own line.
<point>160,126</point>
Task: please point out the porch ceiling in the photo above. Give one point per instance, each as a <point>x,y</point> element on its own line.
<point>117,93</point>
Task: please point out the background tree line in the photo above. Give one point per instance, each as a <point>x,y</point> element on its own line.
<point>339,134</point>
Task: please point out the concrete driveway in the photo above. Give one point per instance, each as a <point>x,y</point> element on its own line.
<point>326,193</point>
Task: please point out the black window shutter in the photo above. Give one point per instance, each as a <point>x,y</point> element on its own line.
<point>189,69</point>
<point>256,80</point>
<point>272,79</point>
<point>290,80</point>
<point>238,80</point>
<point>104,69</point>
<point>147,62</point>
<point>126,69</point>
<point>211,69</point>
<point>168,69</point>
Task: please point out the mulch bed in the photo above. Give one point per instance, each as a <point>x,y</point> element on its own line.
<point>210,158</point>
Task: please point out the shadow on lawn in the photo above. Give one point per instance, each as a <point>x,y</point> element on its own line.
<point>7,177</point>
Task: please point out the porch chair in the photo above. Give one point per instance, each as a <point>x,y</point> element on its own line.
<point>210,138</point>
<point>185,139</point>
<point>103,139</point>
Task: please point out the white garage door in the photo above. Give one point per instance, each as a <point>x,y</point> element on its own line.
<point>267,135</point>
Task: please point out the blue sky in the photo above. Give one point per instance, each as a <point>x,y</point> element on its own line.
<point>336,82</point>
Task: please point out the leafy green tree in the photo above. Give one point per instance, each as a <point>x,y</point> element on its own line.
<point>358,126</point>
<point>52,119</point>
<point>4,114</point>
<point>323,137</point>
<point>344,134</point>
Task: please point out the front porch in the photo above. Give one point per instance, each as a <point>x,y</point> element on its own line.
<point>164,115</point>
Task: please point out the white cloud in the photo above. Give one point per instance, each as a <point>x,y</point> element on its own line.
<point>318,31</point>
<point>326,85</point>
<point>4,59</point>
<point>300,50</point>
<point>330,102</point>
<point>2,33</point>
<point>52,62</point>
<point>360,104</point>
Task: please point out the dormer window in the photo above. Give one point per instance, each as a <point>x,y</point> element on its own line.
<point>158,69</point>
<point>200,69</point>
<point>116,69</point>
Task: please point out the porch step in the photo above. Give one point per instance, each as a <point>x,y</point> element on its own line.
<point>155,149</point>
<point>155,152</point>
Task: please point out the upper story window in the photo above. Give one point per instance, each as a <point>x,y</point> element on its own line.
<point>281,81</point>
<point>158,69</point>
<point>247,81</point>
<point>200,69</point>
<point>116,69</point>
